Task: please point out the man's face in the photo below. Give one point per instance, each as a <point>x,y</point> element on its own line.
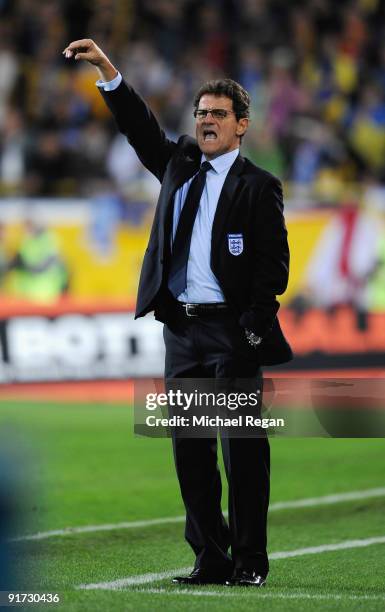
<point>218,136</point>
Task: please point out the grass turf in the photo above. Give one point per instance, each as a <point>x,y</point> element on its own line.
<point>82,465</point>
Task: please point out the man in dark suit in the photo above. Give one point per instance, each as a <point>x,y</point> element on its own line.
<point>216,259</point>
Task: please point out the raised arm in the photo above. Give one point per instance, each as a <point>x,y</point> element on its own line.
<point>133,117</point>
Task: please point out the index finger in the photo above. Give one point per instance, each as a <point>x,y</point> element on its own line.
<point>85,43</point>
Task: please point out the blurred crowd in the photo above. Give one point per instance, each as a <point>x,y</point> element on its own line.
<point>315,70</point>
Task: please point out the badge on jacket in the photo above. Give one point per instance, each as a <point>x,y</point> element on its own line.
<point>235,242</point>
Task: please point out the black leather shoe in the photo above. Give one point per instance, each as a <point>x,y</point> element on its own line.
<point>249,578</point>
<point>201,576</point>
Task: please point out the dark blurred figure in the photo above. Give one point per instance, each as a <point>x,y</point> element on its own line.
<point>8,512</point>
<point>15,497</point>
<point>49,167</point>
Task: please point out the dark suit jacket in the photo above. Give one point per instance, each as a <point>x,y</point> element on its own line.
<point>250,204</point>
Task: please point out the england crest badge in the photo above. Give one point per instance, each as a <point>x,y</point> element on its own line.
<point>235,242</point>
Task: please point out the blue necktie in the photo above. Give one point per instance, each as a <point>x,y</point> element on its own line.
<point>177,279</point>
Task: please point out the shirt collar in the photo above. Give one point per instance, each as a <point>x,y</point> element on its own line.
<point>222,162</point>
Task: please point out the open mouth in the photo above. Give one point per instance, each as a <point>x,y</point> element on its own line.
<point>209,135</point>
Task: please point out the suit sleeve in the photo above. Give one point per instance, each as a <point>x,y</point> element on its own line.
<point>138,123</point>
<point>271,260</point>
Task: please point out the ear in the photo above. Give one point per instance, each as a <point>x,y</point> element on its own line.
<point>243,124</point>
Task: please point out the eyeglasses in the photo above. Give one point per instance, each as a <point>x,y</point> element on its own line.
<point>216,113</point>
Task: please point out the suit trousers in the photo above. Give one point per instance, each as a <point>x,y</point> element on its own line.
<point>214,347</point>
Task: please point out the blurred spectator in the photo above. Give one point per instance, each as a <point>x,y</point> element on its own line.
<point>262,149</point>
<point>49,167</point>
<point>9,67</point>
<point>13,145</point>
<point>347,266</point>
<point>317,149</point>
<point>165,19</point>
<point>105,215</point>
<point>127,171</point>
<point>376,284</point>
<point>38,271</point>
<point>251,68</point>
<point>3,257</point>
<point>110,207</point>
<point>367,131</point>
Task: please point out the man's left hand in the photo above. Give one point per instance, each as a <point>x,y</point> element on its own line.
<point>252,338</point>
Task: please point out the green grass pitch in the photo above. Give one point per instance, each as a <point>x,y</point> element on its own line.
<point>81,465</point>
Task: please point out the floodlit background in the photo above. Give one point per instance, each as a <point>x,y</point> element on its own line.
<point>76,204</point>
<point>75,211</point>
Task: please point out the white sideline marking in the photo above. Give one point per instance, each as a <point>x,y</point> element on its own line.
<point>154,577</point>
<point>335,498</point>
<point>134,580</point>
<point>262,595</point>
<point>298,503</point>
<point>314,550</point>
<point>43,535</point>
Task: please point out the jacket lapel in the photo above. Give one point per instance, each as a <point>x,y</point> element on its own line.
<point>184,170</point>
<point>181,173</point>
<point>226,200</point>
